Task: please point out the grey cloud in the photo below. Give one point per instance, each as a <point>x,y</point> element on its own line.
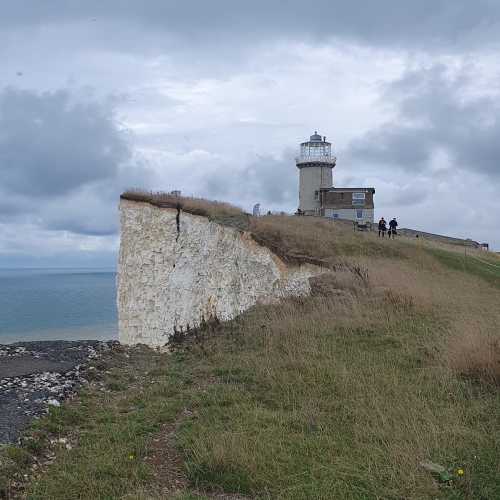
<point>220,23</point>
<point>50,145</point>
<point>91,224</point>
<point>266,180</point>
<point>434,117</point>
<point>394,145</point>
<point>63,162</point>
<point>408,196</point>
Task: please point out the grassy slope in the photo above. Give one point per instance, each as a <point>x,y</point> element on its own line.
<point>477,264</point>
<point>341,395</point>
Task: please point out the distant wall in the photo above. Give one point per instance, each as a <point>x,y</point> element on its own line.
<point>438,237</point>
<point>338,198</point>
<point>175,269</point>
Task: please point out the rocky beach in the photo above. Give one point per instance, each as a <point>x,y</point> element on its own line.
<point>37,375</point>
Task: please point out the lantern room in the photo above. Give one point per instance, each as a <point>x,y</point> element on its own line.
<point>316,150</point>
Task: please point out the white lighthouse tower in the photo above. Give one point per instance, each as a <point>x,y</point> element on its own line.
<point>315,165</point>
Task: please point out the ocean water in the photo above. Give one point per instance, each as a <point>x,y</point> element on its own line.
<point>57,304</point>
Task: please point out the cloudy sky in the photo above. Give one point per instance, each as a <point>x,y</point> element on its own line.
<point>213,98</point>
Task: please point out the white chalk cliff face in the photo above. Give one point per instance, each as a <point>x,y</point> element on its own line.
<point>171,278</point>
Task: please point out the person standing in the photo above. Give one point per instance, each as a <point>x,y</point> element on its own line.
<point>393,224</point>
<point>382,227</point>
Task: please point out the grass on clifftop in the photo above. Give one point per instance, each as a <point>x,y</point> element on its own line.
<point>195,206</point>
<point>393,363</point>
<point>299,239</point>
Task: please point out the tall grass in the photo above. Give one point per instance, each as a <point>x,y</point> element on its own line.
<point>338,399</point>
<point>390,363</point>
<point>346,393</point>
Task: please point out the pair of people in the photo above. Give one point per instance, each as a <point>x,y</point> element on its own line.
<point>382,227</point>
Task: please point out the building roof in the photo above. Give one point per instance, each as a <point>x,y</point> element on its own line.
<point>316,137</point>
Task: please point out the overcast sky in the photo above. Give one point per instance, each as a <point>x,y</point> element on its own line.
<point>213,98</point>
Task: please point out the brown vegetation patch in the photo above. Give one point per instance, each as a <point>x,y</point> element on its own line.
<point>476,355</point>
<point>316,240</point>
<point>288,255</point>
<point>398,301</point>
<point>325,285</point>
<point>346,282</point>
<point>196,206</point>
<point>295,239</point>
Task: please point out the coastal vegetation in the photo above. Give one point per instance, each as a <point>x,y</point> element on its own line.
<point>384,383</point>
<point>192,205</point>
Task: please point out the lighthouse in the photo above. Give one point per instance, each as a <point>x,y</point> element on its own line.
<point>317,196</point>
<point>315,163</point>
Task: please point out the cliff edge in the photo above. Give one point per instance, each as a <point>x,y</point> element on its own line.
<point>176,270</point>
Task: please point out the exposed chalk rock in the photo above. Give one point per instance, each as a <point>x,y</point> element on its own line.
<point>175,270</point>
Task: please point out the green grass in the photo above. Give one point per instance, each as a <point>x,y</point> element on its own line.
<point>319,410</point>
<point>331,411</point>
<point>110,426</point>
<point>482,267</point>
<point>330,396</point>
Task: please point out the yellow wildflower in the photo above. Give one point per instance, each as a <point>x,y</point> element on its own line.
<point>460,472</point>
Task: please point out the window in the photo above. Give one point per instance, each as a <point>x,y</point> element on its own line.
<point>359,214</point>
<point>316,195</point>
<point>358,198</point>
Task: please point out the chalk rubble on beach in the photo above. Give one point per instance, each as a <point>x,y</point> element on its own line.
<point>26,393</point>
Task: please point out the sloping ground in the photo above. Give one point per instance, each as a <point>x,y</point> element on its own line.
<point>483,265</point>
<point>383,384</point>
<point>440,238</point>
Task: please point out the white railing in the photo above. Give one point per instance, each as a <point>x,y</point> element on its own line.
<point>315,159</point>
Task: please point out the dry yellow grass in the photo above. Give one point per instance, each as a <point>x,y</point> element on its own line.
<point>469,306</point>
<point>316,239</point>
<point>474,352</point>
<point>196,206</point>
<point>334,397</point>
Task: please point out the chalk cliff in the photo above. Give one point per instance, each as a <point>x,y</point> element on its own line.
<point>175,269</point>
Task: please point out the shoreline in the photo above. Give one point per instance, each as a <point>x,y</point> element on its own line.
<point>35,375</point>
<point>99,333</point>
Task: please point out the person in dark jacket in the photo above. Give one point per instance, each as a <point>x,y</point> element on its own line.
<point>382,227</point>
<point>393,224</point>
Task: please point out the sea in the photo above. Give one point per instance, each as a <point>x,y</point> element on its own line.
<point>57,304</point>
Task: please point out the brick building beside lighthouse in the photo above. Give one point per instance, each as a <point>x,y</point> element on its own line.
<point>318,196</point>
